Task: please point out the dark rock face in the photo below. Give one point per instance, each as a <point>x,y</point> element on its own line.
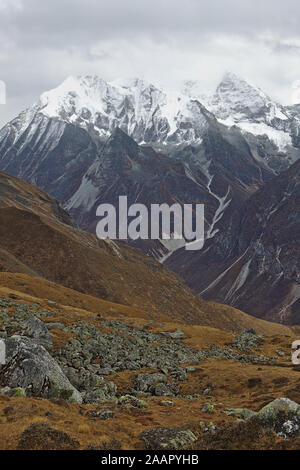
<point>50,153</point>
<point>124,168</point>
<point>255,266</point>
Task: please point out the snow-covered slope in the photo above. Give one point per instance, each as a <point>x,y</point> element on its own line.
<point>168,119</point>
<point>236,102</point>
<point>143,111</point>
<point>238,99</point>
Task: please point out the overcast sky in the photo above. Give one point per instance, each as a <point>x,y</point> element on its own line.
<point>163,41</point>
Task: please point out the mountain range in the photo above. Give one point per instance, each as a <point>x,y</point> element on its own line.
<point>147,336</point>
<point>97,331</point>
<point>89,141</point>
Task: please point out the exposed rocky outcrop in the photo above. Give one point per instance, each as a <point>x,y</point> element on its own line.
<point>30,366</point>
<point>283,416</point>
<point>35,329</point>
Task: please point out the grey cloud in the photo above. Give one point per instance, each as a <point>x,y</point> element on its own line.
<point>55,18</point>
<point>164,41</point>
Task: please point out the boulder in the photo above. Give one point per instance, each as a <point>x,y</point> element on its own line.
<point>101,413</point>
<point>30,366</point>
<point>178,334</point>
<point>163,390</point>
<point>208,408</point>
<point>130,401</point>
<point>35,329</point>
<point>160,438</point>
<point>144,382</point>
<point>282,416</point>
<point>104,393</point>
<point>241,413</point>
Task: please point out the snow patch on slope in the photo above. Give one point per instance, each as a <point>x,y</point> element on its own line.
<point>85,196</point>
<point>224,202</point>
<point>280,138</point>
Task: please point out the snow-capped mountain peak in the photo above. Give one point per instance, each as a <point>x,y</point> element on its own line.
<point>235,96</point>
<point>169,120</point>
<point>85,91</point>
<point>142,110</point>
<point>236,102</point>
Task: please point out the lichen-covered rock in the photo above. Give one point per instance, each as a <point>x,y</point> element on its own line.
<point>30,366</point>
<point>13,392</point>
<point>104,393</point>
<point>241,413</point>
<point>18,392</point>
<point>248,341</point>
<point>144,382</point>
<point>37,330</point>
<point>132,402</point>
<point>208,408</point>
<point>55,325</point>
<point>163,390</point>
<point>167,403</point>
<point>282,415</point>
<point>160,438</point>
<point>101,413</point>
<point>208,427</point>
<point>179,374</point>
<point>178,334</point>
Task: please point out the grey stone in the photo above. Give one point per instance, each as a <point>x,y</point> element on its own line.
<point>130,401</point>
<point>282,415</point>
<point>178,334</point>
<point>162,390</point>
<point>102,413</point>
<point>31,367</point>
<point>144,382</point>
<point>208,408</point>
<point>242,413</point>
<point>105,393</point>
<point>190,369</point>
<point>37,330</point>
<point>167,438</point>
